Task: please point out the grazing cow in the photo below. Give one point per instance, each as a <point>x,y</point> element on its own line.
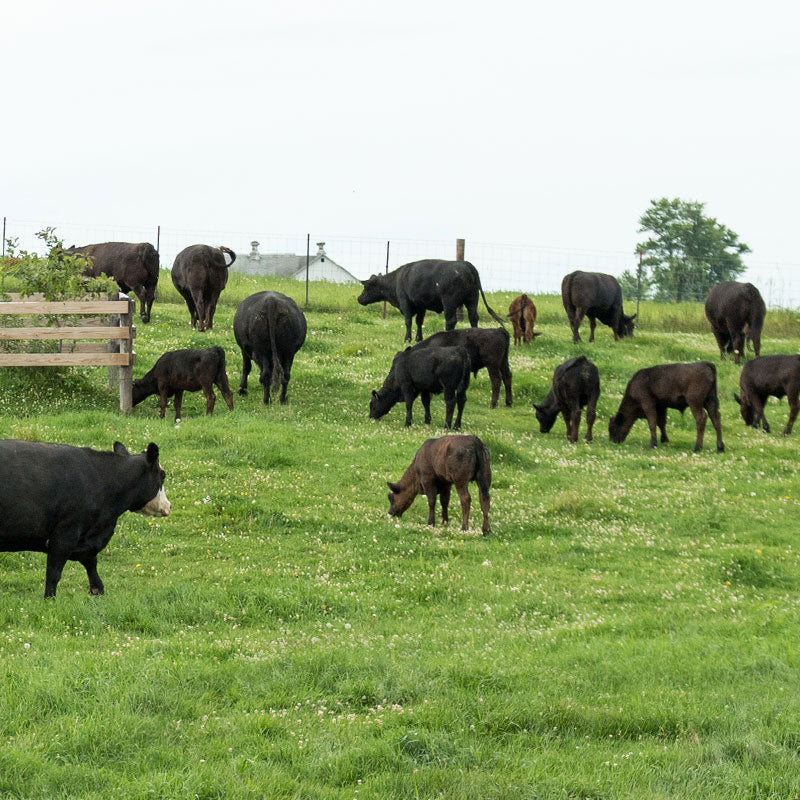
<point>425,372</point>
<point>522,313</point>
<point>651,391</point>
<point>269,329</point>
<point>439,464</point>
<point>735,312</point>
<point>200,274</point>
<point>133,266</point>
<point>576,383</point>
<point>487,347</point>
<point>65,501</point>
<point>775,376</point>
<point>429,285</point>
<point>182,371</point>
<point>597,296</point>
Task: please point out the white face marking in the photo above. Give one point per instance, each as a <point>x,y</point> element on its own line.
<point>159,506</point>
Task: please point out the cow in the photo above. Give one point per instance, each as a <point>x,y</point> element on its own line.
<point>133,266</point>
<point>429,285</point>
<point>269,329</point>
<point>651,391</point>
<point>522,313</point>
<point>487,347</point>
<point>765,376</point>
<point>735,312</point>
<point>439,464</point>
<point>180,371</point>
<point>597,296</point>
<point>576,383</point>
<point>425,372</point>
<point>65,501</point>
<point>200,274</point>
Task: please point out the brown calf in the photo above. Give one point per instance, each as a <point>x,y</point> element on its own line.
<point>522,313</point>
<point>439,464</point>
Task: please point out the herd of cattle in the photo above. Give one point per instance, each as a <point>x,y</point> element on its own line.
<point>40,481</point>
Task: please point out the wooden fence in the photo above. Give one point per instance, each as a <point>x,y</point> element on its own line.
<point>120,358</point>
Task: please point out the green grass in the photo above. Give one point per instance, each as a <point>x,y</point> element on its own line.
<point>629,629</point>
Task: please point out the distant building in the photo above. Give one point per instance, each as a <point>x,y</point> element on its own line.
<point>321,267</point>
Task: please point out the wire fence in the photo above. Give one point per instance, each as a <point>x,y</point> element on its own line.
<point>517,267</point>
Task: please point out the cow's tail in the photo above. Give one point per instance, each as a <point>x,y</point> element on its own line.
<point>230,253</point>
<point>277,368</point>
<point>483,467</point>
<point>494,314</point>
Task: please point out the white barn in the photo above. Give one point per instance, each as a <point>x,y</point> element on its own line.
<point>321,266</point>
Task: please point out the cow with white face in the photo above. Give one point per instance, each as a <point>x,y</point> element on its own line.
<point>65,501</point>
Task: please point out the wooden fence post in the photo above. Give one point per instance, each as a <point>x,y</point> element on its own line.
<point>126,372</point>
<point>460,249</point>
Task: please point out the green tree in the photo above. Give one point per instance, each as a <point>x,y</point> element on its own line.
<point>687,252</point>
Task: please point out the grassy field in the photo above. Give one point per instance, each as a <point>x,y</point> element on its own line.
<point>630,628</point>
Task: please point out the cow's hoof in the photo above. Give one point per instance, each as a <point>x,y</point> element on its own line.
<point>720,448</point>
<point>242,392</point>
<point>95,590</point>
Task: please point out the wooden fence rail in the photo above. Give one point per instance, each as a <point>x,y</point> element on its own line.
<point>122,335</point>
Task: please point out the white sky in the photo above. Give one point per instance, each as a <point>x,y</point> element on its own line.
<point>551,123</point>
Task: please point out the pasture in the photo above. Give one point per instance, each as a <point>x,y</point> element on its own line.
<point>629,629</point>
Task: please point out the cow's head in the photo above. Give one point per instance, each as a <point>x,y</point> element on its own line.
<point>745,409</point>
<point>619,426</point>
<point>545,418</point>
<point>373,290</point>
<point>380,403</point>
<point>625,325</point>
<point>400,499</point>
<point>152,481</point>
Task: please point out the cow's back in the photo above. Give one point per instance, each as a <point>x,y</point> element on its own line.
<point>425,282</point>
<point>263,312</point>
<point>596,293</point>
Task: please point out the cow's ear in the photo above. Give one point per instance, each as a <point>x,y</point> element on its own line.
<point>120,449</point>
<point>374,393</point>
<point>634,317</point>
<point>152,453</point>
<point>537,407</point>
<point>737,398</point>
<point>395,487</point>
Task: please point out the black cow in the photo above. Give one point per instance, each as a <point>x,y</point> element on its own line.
<point>735,312</point>
<point>200,274</point>
<point>651,391</point>
<point>576,383</point>
<point>182,371</point>
<point>429,285</point>
<point>775,376</point>
<point>65,501</point>
<point>133,266</point>
<point>597,296</point>
<point>487,347</point>
<point>269,329</point>
<point>425,372</point>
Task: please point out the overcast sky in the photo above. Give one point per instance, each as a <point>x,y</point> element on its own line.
<point>510,122</point>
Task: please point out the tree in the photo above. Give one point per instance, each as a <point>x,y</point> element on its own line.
<point>688,252</point>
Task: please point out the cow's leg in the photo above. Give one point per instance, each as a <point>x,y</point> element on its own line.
<point>737,342</point>
<point>712,407</point>
<point>200,306</point>
<point>407,317</point>
<point>286,366</point>
<point>722,341</point>
<point>449,407</point>
<point>591,414</point>
<point>53,570</point>
<point>574,423</point>
<point>494,377</point>
<point>420,320</point>
<point>485,502</point>
<point>162,403</point>
<point>429,489</point>
<point>410,405</point>
<point>179,404</point>
<point>472,313</point>
<point>224,387</point>
<point>517,331</point>
<point>466,501</point>
<point>662,424</point>
<point>759,417</point>
<point>794,406</point>
<point>211,308</point>
<point>426,404</point>
<point>575,323</point>
<point>90,564</point>
<point>651,415</point>
<point>700,418</point>
<point>505,372</point>
<point>592,324</point>
<point>247,365</point>
<point>461,400</point>
<point>211,398</point>
<point>444,496</point>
